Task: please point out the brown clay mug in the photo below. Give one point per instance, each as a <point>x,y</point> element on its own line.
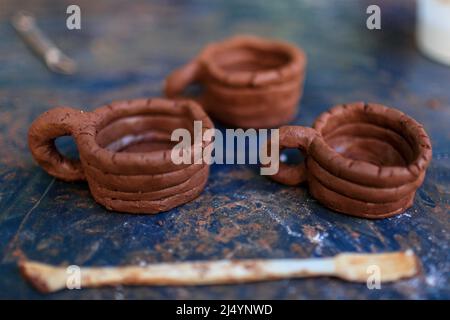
<point>247,81</point>
<point>365,160</point>
<point>125,152</point>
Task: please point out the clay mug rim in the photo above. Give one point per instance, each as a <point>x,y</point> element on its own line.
<point>84,127</point>
<point>357,178</point>
<point>204,63</point>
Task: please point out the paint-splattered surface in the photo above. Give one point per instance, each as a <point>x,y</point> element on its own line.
<point>124,50</point>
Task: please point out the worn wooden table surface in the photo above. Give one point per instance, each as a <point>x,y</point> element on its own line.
<point>124,50</point>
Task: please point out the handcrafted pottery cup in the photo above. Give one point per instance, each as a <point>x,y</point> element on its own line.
<point>365,160</point>
<point>125,152</point>
<point>247,82</point>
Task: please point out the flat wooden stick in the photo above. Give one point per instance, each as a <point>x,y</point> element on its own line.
<point>347,266</point>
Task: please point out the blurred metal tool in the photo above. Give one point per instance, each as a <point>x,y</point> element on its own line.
<point>55,60</point>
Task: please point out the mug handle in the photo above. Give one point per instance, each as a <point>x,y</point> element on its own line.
<point>294,137</point>
<point>44,130</point>
<point>180,79</point>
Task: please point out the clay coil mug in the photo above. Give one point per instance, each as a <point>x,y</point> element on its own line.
<point>125,152</point>
<point>247,81</point>
<point>365,160</point>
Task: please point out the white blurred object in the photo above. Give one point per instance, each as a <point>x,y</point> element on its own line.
<point>433,29</point>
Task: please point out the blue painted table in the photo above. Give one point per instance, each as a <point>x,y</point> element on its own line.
<point>124,50</point>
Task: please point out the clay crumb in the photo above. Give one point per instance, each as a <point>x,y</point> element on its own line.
<point>434,104</point>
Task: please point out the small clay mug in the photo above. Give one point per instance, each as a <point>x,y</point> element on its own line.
<point>247,81</point>
<point>125,152</point>
<point>365,160</point>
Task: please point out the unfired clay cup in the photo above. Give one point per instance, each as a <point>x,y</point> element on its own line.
<point>365,160</point>
<point>247,81</point>
<point>125,152</point>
